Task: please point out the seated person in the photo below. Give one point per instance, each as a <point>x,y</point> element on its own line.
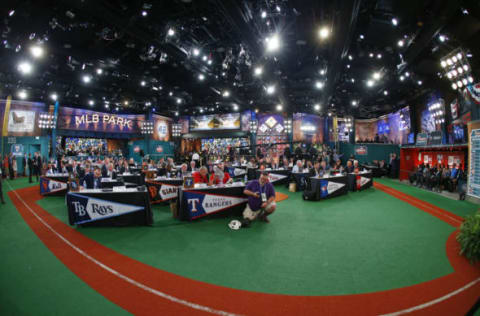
<point>316,171</point>
<point>338,168</point>
<point>51,169</point>
<point>183,172</point>
<point>356,167</point>
<point>452,181</point>
<point>261,199</point>
<point>349,168</point>
<point>111,173</point>
<point>93,180</point>
<point>298,168</point>
<point>193,166</point>
<point>219,175</point>
<point>201,176</point>
<point>251,164</point>
<point>284,164</point>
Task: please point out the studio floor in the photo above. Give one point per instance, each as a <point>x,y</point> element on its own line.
<point>390,249</point>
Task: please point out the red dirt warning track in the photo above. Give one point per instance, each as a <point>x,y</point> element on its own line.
<point>144,290</point>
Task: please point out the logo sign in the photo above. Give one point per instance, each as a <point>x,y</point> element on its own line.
<point>200,204</point>
<point>422,139</point>
<point>168,192</point>
<point>136,149</point>
<point>17,149</point>
<point>162,129</point>
<point>160,192</point>
<point>49,186</point>
<point>362,181</point>
<point>87,209</point>
<point>361,150</point>
<point>328,187</point>
<point>159,149</point>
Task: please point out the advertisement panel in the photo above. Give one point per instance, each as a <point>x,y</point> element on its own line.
<point>162,128</point>
<point>393,128</point>
<point>308,128</point>
<point>85,120</point>
<point>215,122</point>
<point>270,124</point>
<point>22,118</point>
<point>246,120</point>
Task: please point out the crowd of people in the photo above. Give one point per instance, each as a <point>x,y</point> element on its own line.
<point>439,177</point>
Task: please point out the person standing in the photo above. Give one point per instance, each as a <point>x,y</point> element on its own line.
<point>10,166</point>
<point>24,164</point>
<point>1,190</point>
<point>30,167</point>
<point>37,167</point>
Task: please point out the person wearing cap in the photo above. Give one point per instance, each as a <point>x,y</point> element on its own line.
<point>261,199</point>
<point>219,175</point>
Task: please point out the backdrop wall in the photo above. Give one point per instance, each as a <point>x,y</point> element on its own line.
<point>373,152</point>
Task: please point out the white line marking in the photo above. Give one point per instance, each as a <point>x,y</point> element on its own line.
<point>118,274</point>
<point>435,301</point>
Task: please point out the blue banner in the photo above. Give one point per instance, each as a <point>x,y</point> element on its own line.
<point>49,186</point>
<point>200,204</point>
<point>17,150</point>
<point>85,209</point>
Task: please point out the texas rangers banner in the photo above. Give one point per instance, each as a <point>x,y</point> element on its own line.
<point>328,187</point>
<point>49,186</point>
<point>161,192</point>
<point>87,209</point>
<point>362,182</point>
<point>201,204</point>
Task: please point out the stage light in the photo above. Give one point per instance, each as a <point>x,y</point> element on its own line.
<point>379,56</point>
<point>354,103</point>
<point>258,71</point>
<point>362,36</point>
<point>264,14</point>
<point>204,58</point>
<point>107,105</point>
<point>454,59</point>
<point>324,33</point>
<point>419,82</point>
<point>394,21</point>
<point>270,89</point>
<point>226,94</point>
<point>454,73</point>
<point>11,12</point>
<point>348,66</point>
<point>454,86</point>
<point>370,83</point>
<point>25,67</point>
<point>443,63</point>
<point>126,102</point>
<point>376,76</point>
<point>402,78</point>
<point>196,52</point>
<point>179,101</point>
<point>86,78</point>
<point>279,107</point>
<point>201,77</point>
<point>209,62</point>
<point>385,92</point>
<point>171,32</point>
<point>256,110</point>
<point>22,94</point>
<point>407,74</point>
<point>459,84</point>
<point>201,110</point>
<point>464,81</point>
<point>400,43</point>
<point>322,72</point>
<point>273,43</point>
<point>352,80</point>
<point>470,79</point>
<point>319,85</point>
<point>371,55</point>
<point>459,56</point>
<point>465,67</point>
<point>176,113</point>
<point>317,107</point>
<point>143,83</point>
<point>235,107</point>
<point>36,51</point>
<point>449,62</point>
<point>278,9</point>
<point>460,70</point>
<point>350,57</point>
<point>91,102</point>
<point>449,75</point>
<point>54,96</point>
<point>144,13</point>
<point>442,38</point>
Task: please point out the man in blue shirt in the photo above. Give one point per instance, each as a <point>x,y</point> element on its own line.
<point>261,199</point>
<point>452,183</point>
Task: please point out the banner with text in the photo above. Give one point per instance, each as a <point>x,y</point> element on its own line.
<point>161,192</point>
<point>49,186</point>
<point>201,204</point>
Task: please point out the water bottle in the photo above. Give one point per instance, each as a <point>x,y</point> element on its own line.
<point>245,178</point>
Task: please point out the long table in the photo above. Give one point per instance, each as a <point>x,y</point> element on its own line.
<point>138,178</point>
<point>328,187</point>
<point>97,207</point>
<point>55,184</point>
<point>204,201</point>
<point>277,176</point>
<point>163,189</point>
<point>360,181</point>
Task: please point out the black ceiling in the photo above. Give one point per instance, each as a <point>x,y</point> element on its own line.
<point>81,36</point>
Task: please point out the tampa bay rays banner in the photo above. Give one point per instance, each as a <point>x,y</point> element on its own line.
<point>50,186</point>
<point>87,209</point>
<point>362,182</point>
<point>200,204</point>
<point>160,192</point>
<point>328,187</point>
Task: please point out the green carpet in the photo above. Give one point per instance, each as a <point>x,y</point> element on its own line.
<point>460,208</point>
<point>32,280</point>
<point>362,242</point>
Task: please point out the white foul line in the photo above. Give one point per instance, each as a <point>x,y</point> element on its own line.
<point>435,301</point>
<point>121,276</point>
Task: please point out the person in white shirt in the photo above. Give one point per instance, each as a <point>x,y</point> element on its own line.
<point>195,156</point>
<point>298,168</point>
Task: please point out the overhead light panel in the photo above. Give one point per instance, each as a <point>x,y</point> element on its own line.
<point>201,77</point>
<point>270,89</point>
<point>324,33</point>
<point>279,107</point>
<point>319,85</point>
<point>25,67</point>
<point>226,94</point>
<point>22,94</point>
<point>258,71</point>
<point>171,32</point>
<point>86,78</point>
<point>394,21</point>
<point>273,43</point>
<point>36,51</point>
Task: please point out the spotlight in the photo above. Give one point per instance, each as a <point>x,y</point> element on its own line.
<point>36,51</point>
<point>402,78</point>
<point>86,78</point>
<point>465,67</point>
<point>322,72</point>
<point>273,43</point>
<point>196,52</point>
<point>270,89</point>
<point>407,74</point>
<point>362,36</point>
<point>22,94</point>
<point>464,81</point>
<point>376,76</point>
<point>443,63</point>
<point>454,59</point>
<point>25,68</point>
<point>400,43</point>
<point>319,85</point>
<point>419,82</point>
<point>394,21</point>
<point>235,107</point>
<point>126,102</point>
<point>370,55</point>
<point>264,14</point>
<point>454,73</point>
<point>379,56</point>
<point>470,79</point>
<point>91,102</point>
<point>279,107</point>
<point>54,96</point>
<point>385,92</point>
<point>354,103</point>
<point>204,58</point>
<point>449,75</point>
<point>143,83</point>
<point>459,84</point>
<point>324,33</point>
<point>258,71</point>
<point>209,62</point>
<point>449,62</point>
<point>317,107</point>
<point>99,71</point>
<point>370,83</point>
<point>179,101</point>
<point>460,70</point>
<point>201,77</point>
<point>459,56</point>
<point>226,94</point>
<point>171,32</point>
<point>144,13</point>
<point>350,57</point>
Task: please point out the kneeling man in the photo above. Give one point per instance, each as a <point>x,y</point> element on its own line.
<point>261,199</point>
